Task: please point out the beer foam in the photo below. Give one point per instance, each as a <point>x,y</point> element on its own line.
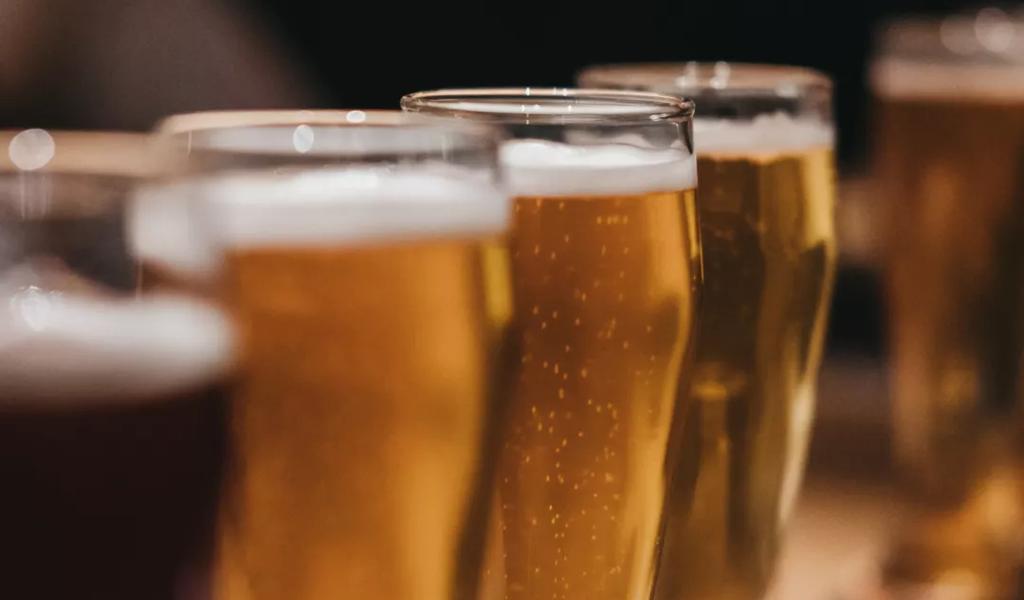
<point>162,230</point>
<point>58,348</point>
<point>910,79</point>
<point>545,168</point>
<point>353,204</point>
<point>766,133</point>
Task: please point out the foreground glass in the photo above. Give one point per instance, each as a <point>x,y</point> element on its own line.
<point>110,425</point>
<point>606,267</point>
<point>364,265</point>
<point>950,137</point>
<point>765,158</point>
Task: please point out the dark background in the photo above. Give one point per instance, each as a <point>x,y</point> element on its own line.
<point>124,63</point>
<point>368,54</point>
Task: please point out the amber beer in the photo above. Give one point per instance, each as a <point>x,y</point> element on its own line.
<point>606,265</point>
<point>950,137</point>
<point>766,204</point>
<point>372,304</point>
<point>765,164</point>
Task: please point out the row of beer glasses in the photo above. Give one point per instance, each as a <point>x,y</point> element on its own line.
<point>461,358</point>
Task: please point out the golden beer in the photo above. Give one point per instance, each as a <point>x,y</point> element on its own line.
<point>950,135</point>
<point>769,253</point>
<point>605,307</point>
<point>372,307</point>
<point>767,190</point>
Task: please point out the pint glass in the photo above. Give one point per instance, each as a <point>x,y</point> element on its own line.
<point>765,159</point>
<point>606,271</point>
<point>364,264</point>
<point>949,145</point>
<point>111,429</point>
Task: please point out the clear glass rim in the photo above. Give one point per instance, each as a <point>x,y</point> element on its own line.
<point>551,105</point>
<point>321,134</point>
<point>83,152</point>
<point>222,119</point>
<point>721,78</point>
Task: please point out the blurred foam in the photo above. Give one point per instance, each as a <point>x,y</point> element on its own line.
<point>58,348</point>
<point>763,134</point>
<point>163,230</point>
<point>353,204</point>
<point>901,78</point>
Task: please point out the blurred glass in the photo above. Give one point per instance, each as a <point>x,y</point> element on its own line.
<point>949,154</point>
<point>606,274</point>
<point>764,141</point>
<point>110,425</point>
<point>364,263</point>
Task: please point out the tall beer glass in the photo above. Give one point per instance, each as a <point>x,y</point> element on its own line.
<point>606,267</point>
<point>110,428</point>
<point>949,149</point>
<point>364,266</point>
<point>765,159</point>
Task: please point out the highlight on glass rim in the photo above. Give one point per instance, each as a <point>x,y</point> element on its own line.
<point>705,301</point>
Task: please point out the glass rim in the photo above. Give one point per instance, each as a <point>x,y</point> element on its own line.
<point>222,119</point>
<point>321,133</point>
<point>988,35</point>
<point>100,153</point>
<point>551,106</point>
<point>721,78</point>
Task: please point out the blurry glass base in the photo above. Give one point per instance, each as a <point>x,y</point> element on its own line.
<point>972,551</point>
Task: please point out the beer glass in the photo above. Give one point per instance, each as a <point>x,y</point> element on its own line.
<point>765,158</point>
<point>606,271</point>
<point>110,429</point>
<point>363,262</point>
<point>164,233</point>
<point>949,141</point>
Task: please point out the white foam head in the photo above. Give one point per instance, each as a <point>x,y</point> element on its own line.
<point>545,168</point>
<point>163,230</point>
<point>962,56</point>
<point>767,133</point>
<point>61,349</point>
<point>349,205</point>
<point>916,79</point>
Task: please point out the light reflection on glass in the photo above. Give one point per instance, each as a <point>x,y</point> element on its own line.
<point>31,149</point>
<point>302,139</point>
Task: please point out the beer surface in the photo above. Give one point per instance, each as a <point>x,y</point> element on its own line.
<point>605,285</point>
<point>769,252</point>
<point>372,307</point>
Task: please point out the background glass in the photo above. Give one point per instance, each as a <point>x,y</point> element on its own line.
<point>365,269</point>
<point>765,159</point>
<point>949,144</point>
<point>606,272</point>
<point>110,428</point>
